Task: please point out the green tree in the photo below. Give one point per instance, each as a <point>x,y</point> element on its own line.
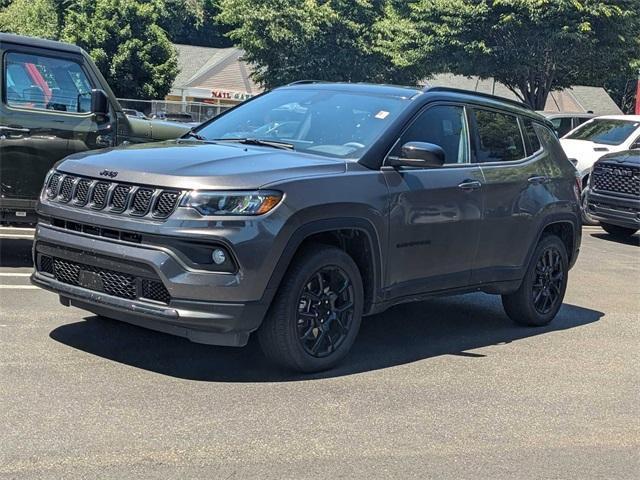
<point>287,40</point>
<point>193,22</point>
<point>36,18</point>
<point>130,49</point>
<point>531,46</point>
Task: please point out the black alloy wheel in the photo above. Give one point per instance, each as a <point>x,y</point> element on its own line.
<point>547,287</point>
<point>325,311</point>
<point>316,314</point>
<point>540,295</point>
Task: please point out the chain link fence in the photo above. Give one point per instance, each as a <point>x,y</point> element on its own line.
<point>196,112</point>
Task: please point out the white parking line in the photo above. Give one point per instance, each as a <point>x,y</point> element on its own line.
<point>6,274</point>
<point>18,287</point>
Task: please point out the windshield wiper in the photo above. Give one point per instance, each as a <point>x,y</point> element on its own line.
<point>257,141</point>
<point>192,133</point>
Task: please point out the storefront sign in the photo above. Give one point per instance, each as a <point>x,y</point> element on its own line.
<point>228,95</point>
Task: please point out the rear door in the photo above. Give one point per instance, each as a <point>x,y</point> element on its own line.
<point>434,212</point>
<point>516,178</point>
<point>44,116</point>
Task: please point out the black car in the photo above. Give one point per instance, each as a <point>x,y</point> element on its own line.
<point>613,197</point>
<point>306,208</point>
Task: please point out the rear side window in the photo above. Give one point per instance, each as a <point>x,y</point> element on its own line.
<point>533,142</point>
<point>46,83</point>
<point>498,137</point>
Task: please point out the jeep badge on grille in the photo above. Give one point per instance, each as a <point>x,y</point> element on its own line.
<point>109,173</point>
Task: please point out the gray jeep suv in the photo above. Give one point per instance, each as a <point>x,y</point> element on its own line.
<point>304,209</point>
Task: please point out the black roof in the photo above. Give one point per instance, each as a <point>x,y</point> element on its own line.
<point>39,42</point>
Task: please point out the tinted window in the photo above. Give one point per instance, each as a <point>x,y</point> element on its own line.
<point>37,82</point>
<point>324,122</point>
<point>498,137</point>
<point>562,125</point>
<point>442,125</point>
<point>606,131</point>
<point>532,137</point>
<point>581,120</point>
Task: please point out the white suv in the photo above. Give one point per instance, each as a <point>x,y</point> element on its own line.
<point>599,136</point>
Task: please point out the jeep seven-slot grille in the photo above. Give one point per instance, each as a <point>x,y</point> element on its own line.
<point>141,201</point>
<point>98,196</point>
<point>127,199</point>
<point>82,192</point>
<point>118,284</point>
<point>119,198</point>
<point>616,178</point>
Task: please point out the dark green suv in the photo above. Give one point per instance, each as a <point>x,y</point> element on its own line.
<point>54,103</point>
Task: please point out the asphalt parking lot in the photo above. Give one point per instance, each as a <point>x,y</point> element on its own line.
<point>447,388</point>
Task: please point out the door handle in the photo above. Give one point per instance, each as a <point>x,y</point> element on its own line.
<point>539,180</point>
<point>469,185</point>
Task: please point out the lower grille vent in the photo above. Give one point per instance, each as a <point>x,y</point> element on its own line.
<point>118,284</point>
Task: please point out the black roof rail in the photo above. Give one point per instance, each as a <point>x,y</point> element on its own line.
<point>305,82</point>
<point>480,94</point>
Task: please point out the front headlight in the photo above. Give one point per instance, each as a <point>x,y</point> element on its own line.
<point>232,203</point>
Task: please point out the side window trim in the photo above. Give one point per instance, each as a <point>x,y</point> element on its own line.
<point>528,146</point>
<point>476,137</point>
<point>417,116</point>
<point>40,53</point>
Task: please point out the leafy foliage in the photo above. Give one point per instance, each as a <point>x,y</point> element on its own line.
<point>122,36</point>
<point>130,49</point>
<point>288,40</point>
<point>37,18</point>
<point>193,22</point>
<point>532,46</point>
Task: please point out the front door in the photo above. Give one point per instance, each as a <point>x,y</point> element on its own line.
<point>44,116</point>
<point>434,212</point>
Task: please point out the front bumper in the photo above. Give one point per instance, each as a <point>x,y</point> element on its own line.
<point>615,210</point>
<point>194,310</point>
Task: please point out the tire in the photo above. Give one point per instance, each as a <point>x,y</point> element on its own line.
<point>618,232</point>
<point>304,310</point>
<point>546,277</point>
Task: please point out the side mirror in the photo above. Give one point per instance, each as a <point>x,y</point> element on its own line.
<point>418,154</point>
<point>99,102</point>
<point>635,146</point>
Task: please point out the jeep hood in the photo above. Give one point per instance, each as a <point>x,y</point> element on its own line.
<point>188,164</point>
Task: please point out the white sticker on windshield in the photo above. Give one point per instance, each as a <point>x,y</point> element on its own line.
<point>382,114</point>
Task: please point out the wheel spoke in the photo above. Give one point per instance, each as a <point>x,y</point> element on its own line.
<point>319,340</point>
<point>341,325</point>
<point>538,296</point>
<point>344,286</point>
<point>320,282</point>
<point>344,308</point>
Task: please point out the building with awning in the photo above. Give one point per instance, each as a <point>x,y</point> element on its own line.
<point>216,76</point>
<point>219,76</point>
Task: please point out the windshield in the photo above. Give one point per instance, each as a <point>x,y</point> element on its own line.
<point>605,131</point>
<point>330,123</point>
